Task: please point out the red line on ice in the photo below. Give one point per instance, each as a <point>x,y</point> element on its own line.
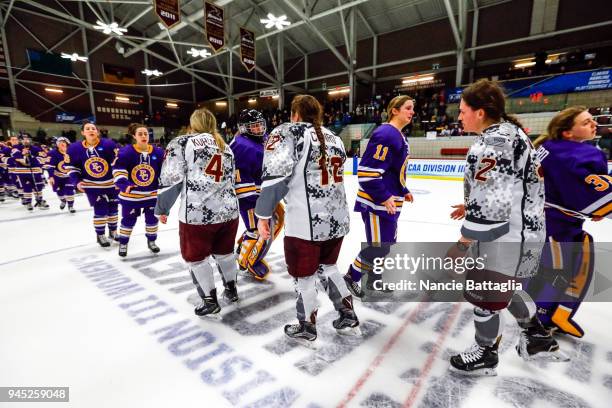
<point>381,355</point>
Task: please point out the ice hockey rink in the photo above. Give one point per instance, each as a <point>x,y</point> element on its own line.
<point>122,333</point>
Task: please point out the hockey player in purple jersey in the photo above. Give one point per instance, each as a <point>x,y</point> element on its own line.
<point>136,173</point>
<point>90,171</point>
<point>58,173</point>
<point>27,161</point>
<point>248,149</point>
<point>577,187</point>
<point>5,153</point>
<point>382,190</point>
<point>12,187</point>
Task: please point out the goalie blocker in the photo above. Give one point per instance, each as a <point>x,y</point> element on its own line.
<point>252,249</point>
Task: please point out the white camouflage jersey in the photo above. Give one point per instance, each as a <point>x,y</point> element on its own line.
<point>207,177</point>
<point>316,209</point>
<point>504,198</point>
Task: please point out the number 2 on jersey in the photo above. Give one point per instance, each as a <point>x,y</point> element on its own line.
<point>214,167</point>
<point>487,164</point>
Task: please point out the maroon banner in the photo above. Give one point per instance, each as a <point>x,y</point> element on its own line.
<point>215,31</point>
<point>168,11</point>
<point>247,49</point>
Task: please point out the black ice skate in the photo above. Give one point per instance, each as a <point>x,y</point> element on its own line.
<point>102,240</point>
<point>537,343</point>
<point>62,204</point>
<point>42,204</point>
<point>476,361</point>
<point>230,292</point>
<point>113,236</point>
<point>71,209</point>
<point>123,250</point>
<point>153,246</point>
<point>1,198</point>
<point>348,323</point>
<point>29,207</point>
<point>209,306</point>
<point>353,286</point>
<point>304,333</point>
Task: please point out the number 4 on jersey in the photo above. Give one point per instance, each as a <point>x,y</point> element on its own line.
<point>215,167</point>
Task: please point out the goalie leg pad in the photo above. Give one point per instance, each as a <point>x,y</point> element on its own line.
<point>251,253</point>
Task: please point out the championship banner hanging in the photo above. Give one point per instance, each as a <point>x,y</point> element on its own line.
<point>247,49</point>
<point>168,11</point>
<point>213,16</point>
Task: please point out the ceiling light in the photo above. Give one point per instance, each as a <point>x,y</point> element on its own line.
<point>109,28</point>
<point>122,99</point>
<point>524,64</point>
<point>74,57</point>
<point>199,53</point>
<point>417,79</point>
<point>54,90</point>
<point>252,100</point>
<point>149,72</point>
<point>221,103</point>
<point>339,91</point>
<point>278,22</point>
<point>171,105</point>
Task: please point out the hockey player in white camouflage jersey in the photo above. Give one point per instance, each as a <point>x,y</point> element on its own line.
<point>200,167</point>
<point>206,174</point>
<point>304,163</point>
<point>504,224</point>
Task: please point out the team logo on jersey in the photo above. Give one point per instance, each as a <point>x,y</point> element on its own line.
<point>143,175</point>
<point>61,167</point>
<point>96,167</point>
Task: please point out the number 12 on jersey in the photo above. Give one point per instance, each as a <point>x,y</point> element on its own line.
<point>336,162</point>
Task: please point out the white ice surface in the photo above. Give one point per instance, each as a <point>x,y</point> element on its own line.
<point>59,328</point>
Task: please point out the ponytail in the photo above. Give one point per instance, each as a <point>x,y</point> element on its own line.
<point>321,139</point>
<point>203,121</point>
<point>512,119</point>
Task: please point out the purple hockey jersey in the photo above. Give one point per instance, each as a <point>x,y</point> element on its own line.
<point>248,154</point>
<point>57,163</point>
<point>92,165</point>
<point>140,170</point>
<point>26,160</point>
<point>382,172</point>
<point>577,185</point>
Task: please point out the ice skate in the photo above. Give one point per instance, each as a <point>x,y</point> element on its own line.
<point>230,292</point>
<point>102,240</point>
<point>476,361</point>
<point>348,323</point>
<point>42,204</point>
<point>209,307</point>
<point>537,344</point>
<point>353,286</point>
<point>123,250</point>
<point>153,247</point>
<point>62,204</point>
<point>303,333</point>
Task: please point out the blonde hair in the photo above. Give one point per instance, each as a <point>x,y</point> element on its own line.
<point>396,103</point>
<point>561,122</point>
<point>203,121</point>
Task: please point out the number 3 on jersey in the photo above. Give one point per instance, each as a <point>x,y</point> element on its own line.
<point>214,168</point>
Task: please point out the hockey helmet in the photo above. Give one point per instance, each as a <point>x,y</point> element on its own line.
<point>251,122</point>
<point>62,139</point>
